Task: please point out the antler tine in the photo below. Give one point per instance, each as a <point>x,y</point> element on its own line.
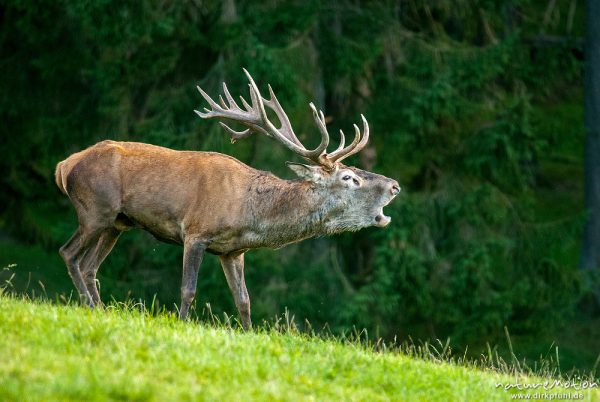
<point>341,152</point>
<point>256,105</point>
<point>274,104</point>
<point>342,142</point>
<point>210,102</point>
<point>355,146</point>
<point>320,120</point>
<point>230,99</point>
<point>222,102</point>
<point>236,135</point>
<point>245,104</point>
<point>365,138</point>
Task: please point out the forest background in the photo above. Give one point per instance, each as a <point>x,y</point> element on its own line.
<point>475,107</point>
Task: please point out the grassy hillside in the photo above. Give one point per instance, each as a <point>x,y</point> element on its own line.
<point>64,352</point>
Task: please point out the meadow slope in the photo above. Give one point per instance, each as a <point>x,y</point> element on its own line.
<point>66,352</point>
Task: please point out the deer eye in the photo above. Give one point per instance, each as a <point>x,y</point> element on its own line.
<point>347,177</point>
<point>356,182</point>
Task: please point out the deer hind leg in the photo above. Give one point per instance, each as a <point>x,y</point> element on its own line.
<point>93,258</point>
<point>72,253</point>
<point>233,267</point>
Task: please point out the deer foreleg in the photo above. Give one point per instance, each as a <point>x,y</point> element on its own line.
<point>193,252</point>
<point>233,267</point>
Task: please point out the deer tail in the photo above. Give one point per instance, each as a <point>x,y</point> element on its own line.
<point>60,177</point>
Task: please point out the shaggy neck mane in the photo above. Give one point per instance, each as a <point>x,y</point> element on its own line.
<point>286,211</point>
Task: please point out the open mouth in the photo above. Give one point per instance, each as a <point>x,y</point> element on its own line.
<point>382,220</point>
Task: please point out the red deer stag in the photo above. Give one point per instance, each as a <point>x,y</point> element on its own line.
<point>210,202</point>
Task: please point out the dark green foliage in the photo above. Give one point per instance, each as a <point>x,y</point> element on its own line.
<point>476,115</point>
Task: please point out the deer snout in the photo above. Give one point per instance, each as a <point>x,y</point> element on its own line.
<point>395,190</point>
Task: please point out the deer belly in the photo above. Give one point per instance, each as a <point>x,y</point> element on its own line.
<point>157,224</point>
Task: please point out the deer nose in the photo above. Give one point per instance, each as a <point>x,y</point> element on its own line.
<point>395,189</point>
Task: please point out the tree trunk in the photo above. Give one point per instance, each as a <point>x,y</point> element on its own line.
<point>229,12</point>
<point>590,256</point>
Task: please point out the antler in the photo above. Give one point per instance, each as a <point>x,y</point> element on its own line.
<point>254,117</point>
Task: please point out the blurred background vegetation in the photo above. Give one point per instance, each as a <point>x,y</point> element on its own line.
<point>475,106</point>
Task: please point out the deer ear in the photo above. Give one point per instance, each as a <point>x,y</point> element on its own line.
<point>308,172</point>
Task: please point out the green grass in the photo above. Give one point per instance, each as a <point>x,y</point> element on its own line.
<point>67,352</point>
